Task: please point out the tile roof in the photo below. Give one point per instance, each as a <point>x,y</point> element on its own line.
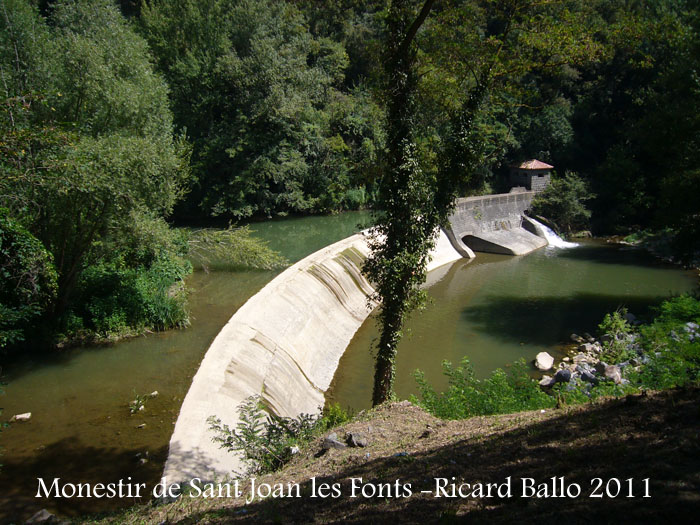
<point>534,164</point>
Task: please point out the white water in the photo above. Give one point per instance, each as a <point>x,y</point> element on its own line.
<point>552,238</point>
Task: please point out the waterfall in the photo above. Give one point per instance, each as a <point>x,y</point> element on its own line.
<point>552,238</point>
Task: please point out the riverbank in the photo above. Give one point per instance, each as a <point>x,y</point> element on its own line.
<point>660,244</point>
<point>652,436</point>
<point>630,356</point>
<point>81,428</point>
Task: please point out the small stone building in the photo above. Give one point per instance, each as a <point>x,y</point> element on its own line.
<point>531,174</point>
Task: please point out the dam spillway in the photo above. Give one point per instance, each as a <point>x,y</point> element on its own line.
<point>494,224</point>
<point>283,344</point>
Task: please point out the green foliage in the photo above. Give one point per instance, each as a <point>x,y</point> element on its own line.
<point>25,48</point>
<point>673,345</point>
<point>570,393</point>
<point>682,309</point>
<point>260,98</point>
<point>27,281</point>
<point>333,415</point>
<point>138,403</point>
<point>113,300</point>
<point>104,74</point>
<point>665,353</point>
<point>232,248</point>
<point>563,202</point>
<point>616,333</point>
<point>501,393</point>
<point>354,199</point>
<point>439,129</point>
<point>89,164</point>
<point>266,441</point>
<point>403,232</point>
<point>635,117</point>
<point>579,392</point>
<point>136,284</point>
<point>545,131</point>
<point>678,366</point>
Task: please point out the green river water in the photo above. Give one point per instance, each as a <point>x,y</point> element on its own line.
<point>493,310</point>
<point>497,308</point>
<point>81,429</point>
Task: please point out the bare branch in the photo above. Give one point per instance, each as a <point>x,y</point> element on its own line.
<point>413,30</point>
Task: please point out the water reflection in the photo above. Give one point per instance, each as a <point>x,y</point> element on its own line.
<point>500,308</point>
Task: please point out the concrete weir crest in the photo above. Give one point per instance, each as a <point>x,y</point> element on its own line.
<point>285,342</point>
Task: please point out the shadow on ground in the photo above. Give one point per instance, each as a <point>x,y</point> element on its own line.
<point>655,437</point>
<point>73,464</point>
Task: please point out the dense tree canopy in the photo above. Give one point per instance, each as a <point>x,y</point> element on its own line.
<point>27,280</point>
<point>261,99</point>
<point>116,116</point>
<point>87,141</point>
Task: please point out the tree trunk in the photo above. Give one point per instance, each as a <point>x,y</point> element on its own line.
<point>385,365</point>
<point>396,261</point>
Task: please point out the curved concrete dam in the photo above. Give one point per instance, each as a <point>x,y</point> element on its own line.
<point>283,344</point>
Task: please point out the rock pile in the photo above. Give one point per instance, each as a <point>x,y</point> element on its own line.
<point>584,364</point>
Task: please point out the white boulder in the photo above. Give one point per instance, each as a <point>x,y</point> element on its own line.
<point>544,361</point>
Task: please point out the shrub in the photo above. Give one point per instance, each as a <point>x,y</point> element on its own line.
<point>114,299</point>
<point>580,392</point>
<point>355,198</point>
<point>266,441</point>
<point>467,396</point>
<point>616,333</point>
<point>672,345</point>
<point>682,309</point>
<point>27,280</point>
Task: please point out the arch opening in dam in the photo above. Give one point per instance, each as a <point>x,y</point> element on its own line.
<point>494,224</point>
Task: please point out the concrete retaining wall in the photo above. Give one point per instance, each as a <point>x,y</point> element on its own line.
<point>284,344</point>
<point>474,215</point>
<point>493,223</point>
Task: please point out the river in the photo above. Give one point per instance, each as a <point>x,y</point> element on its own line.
<point>81,428</point>
<point>497,308</point>
<point>493,309</point>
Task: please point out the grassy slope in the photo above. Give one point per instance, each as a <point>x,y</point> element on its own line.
<point>655,436</point>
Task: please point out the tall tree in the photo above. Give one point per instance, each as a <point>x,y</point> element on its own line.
<point>86,135</point>
<point>497,42</point>
<point>402,236</point>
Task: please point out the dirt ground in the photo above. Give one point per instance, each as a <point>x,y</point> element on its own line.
<point>547,464</point>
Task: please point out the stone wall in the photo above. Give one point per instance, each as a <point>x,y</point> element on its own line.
<point>493,223</point>
<point>473,215</point>
<point>539,182</point>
